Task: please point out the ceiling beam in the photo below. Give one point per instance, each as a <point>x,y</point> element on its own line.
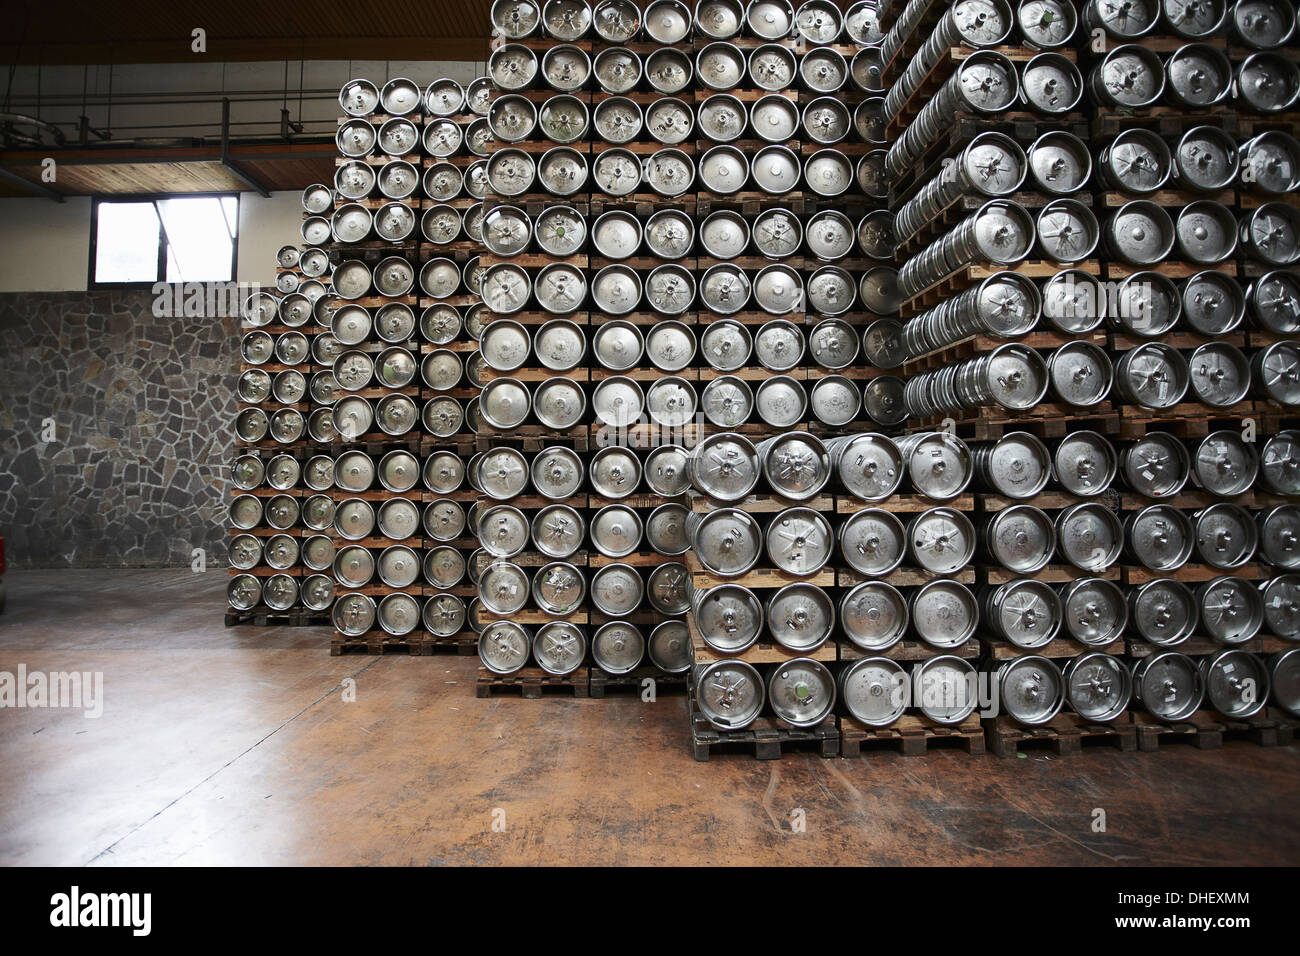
<point>472,49</point>
<point>252,166</point>
<point>172,154</point>
<point>40,189</point>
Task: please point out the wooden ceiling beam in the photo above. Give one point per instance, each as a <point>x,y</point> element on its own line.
<point>262,167</point>
<point>171,154</point>
<point>245,49</point>
<point>32,186</point>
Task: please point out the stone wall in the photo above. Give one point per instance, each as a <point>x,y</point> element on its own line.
<point>141,410</point>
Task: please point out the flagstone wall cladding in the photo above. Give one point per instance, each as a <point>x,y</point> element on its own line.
<point>142,408</point>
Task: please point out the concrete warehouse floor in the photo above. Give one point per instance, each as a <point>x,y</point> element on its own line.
<point>235,746</point>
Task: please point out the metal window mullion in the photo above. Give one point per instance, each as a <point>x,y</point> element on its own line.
<point>163,245</point>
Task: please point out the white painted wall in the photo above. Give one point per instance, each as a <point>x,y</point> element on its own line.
<point>264,226</point>
<point>47,244</point>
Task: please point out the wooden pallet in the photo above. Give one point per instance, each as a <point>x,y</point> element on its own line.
<point>603,683</point>
<point>756,579</point>
<point>1247,201</point>
<point>464,644</point>
<point>975,345</point>
<point>644,373</point>
<point>967,276</point>
<point>1096,49</point>
<point>854,149</point>
<point>636,96</point>
<point>538,44</point>
<point>1108,122</point>
<point>531,683</point>
<point>766,738</point>
<point>759,503</point>
<point>899,503</point>
<point>1167,121</point>
<point>1207,730</point>
<point>1199,645</point>
<point>1051,574</point>
<point>1193,500</point>
<point>533,438</point>
<point>643,317</point>
<point>1252,124</point>
<point>265,617</point>
<point>1170,269</point>
<point>860,424</point>
<point>1188,419</point>
<point>1058,648</point>
<point>414,494</point>
<point>530,559</point>
<point>263,571</point>
<point>643,205</point>
<point>911,650</point>
<point>1262,338</point>
<point>759,317</point>
<point>902,577</point>
<point>1047,500</point>
<point>530,614</point>
<point>750,203</point>
<point>912,735</point>
<point>1180,339</point>
<point>963,206</point>
<point>377,644</point>
<point>644,435</point>
<point>1114,198</point>
<point>1191,573</point>
<point>536,316</point>
<point>637,559</point>
<point>1047,420</point>
<point>531,260</point>
<point>379,444</point>
<point>645,147</point>
<point>641,262</point>
<point>855,205</point>
<point>1064,735</point>
<point>1287,724</point>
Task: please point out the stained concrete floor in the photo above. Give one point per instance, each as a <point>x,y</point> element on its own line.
<point>235,746</point>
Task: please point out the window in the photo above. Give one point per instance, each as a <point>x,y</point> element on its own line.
<point>141,241</point>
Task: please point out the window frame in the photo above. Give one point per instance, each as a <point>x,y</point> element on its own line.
<point>163,242</point>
